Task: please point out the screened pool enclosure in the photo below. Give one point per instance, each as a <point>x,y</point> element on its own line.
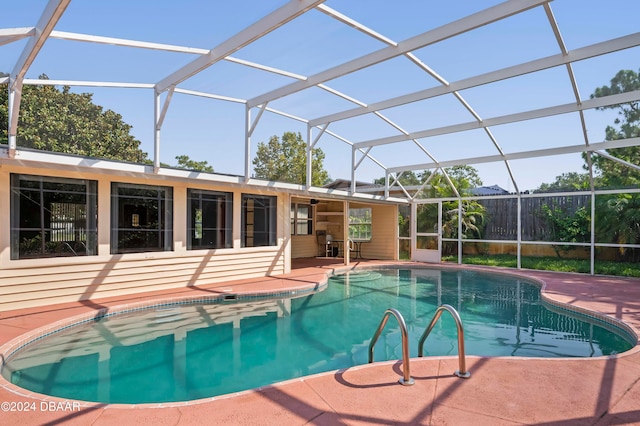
<point>416,103</point>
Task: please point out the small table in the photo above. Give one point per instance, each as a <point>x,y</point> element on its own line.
<point>355,246</point>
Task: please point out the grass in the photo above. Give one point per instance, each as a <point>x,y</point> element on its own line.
<point>602,267</point>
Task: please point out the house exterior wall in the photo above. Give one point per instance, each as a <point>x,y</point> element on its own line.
<point>384,233</point>
<point>32,282</point>
<point>44,281</point>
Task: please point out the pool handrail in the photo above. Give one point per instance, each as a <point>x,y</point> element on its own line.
<point>462,372</point>
<point>406,379</point>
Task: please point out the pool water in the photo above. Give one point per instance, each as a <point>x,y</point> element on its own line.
<point>186,352</point>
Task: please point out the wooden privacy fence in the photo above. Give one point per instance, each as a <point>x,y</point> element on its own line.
<point>501,216</point>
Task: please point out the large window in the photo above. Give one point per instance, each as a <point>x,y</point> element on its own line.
<point>210,219</point>
<point>360,224</point>
<point>141,218</point>
<point>258,220</point>
<point>301,219</point>
<point>53,217</point>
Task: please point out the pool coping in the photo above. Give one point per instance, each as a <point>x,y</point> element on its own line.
<point>15,345</point>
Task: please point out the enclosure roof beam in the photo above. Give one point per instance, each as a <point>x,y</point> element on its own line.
<point>71,36</point>
<point>580,54</point>
<point>209,95</point>
<point>574,85</point>
<point>510,118</point>
<point>354,24</point>
<point>9,35</point>
<point>189,50</point>
<point>48,20</point>
<point>274,20</point>
<point>618,160</point>
<point>165,47</point>
<point>125,85</point>
<point>547,152</point>
<point>476,20</point>
<point>115,41</point>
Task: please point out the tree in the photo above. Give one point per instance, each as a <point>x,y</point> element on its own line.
<point>614,174</point>
<point>62,121</point>
<point>285,160</point>
<point>571,181</point>
<point>464,177</point>
<point>409,178</point>
<point>184,162</point>
<point>565,226</point>
<point>472,222</point>
<point>617,221</point>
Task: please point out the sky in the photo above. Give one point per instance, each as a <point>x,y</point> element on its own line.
<point>213,130</point>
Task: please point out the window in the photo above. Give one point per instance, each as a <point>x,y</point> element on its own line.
<point>258,221</point>
<point>301,219</point>
<point>360,224</point>
<point>209,220</point>
<point>141,218</point>
<point>53,217</point>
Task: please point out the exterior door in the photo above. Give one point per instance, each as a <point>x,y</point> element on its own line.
<point>428,244</point>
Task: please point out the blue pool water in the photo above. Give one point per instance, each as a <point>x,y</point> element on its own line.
<point>185,352</point>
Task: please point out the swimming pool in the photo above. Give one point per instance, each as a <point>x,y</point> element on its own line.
<point>187,351</point>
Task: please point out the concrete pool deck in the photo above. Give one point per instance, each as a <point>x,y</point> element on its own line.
<point>501,391</point>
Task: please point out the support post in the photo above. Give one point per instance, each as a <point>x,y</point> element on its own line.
<point>247,144</point>
<point>519,224</point>
<point>353,170</point>
<point>592,257</point>
<point>14,109</point>
<point>156,131</point>
<point>309,159</point>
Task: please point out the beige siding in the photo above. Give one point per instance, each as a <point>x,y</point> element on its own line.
<point>384,239</point>
<point>24,287</point>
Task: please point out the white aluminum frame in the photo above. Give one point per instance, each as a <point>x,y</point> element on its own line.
<point>318,128</point>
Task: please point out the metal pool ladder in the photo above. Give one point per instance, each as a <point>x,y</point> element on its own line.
<point>406,379</point>
<point>462,372</point>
